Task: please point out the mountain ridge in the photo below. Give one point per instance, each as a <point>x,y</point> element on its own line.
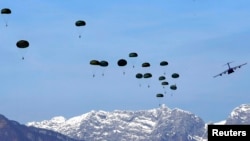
<point>11,130</point>
<point>128,125</point>
<point>158,124</point>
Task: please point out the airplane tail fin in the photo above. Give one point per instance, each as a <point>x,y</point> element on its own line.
<point>228,64</point>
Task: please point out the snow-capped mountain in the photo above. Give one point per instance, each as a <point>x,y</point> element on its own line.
<point>146,125</point>
<point>13,131</point>
<point>158,124</point>
<point>239,115</point>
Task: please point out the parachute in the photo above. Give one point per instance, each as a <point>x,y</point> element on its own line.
<point>159,95</point>
<point>133,55</point>
<point>173,87</point>
<point>79,24</point>
<point>164,83</point>
<point>103,64</point>
<point>22,44</point>
<point>147,76</point>
<point>175,75</point>
<point>94,63</point>
<point>162,78</point>
<point>145,64</point>
<point>122,63</point>
<point>5,12</point>
<point>139,75</point>
<point>163,64</point>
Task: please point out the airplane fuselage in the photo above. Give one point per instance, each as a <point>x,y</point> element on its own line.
<point>230,70</point>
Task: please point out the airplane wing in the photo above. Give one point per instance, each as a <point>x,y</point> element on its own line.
<point>220,74</point>
<point>239,66</point>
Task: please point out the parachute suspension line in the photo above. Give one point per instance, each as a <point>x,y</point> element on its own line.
<point>6,23</point>
<point>5,20</point>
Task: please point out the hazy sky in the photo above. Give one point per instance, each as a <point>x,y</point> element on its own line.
<point>55,79</point>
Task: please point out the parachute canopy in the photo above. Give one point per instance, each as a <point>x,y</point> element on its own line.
<point>22,44</point>
<point>175,75</point>
<point>80,23</point>
<point>5,11</point>
<point>104,63</point>
<point>147,75</point>
<point>94,62</point>
<point>145,64</point>
<point>173,87</point>
<point>163,63</point>
<point>159,95</point>
<point>139,75</point>
<point>164,83</point>
<point>133,54</point>
<point>122,62</point>
<point>162,78</point>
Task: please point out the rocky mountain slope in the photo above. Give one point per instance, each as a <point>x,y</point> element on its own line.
<point>13,131</point>
<point>158,124</point>
<point>239,115</point>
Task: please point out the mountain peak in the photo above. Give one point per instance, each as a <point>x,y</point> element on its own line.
<point>153,124</point>
<point>239,115</point>
<point>11,130</point>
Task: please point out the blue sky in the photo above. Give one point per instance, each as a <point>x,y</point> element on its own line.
<point>55,79</point>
